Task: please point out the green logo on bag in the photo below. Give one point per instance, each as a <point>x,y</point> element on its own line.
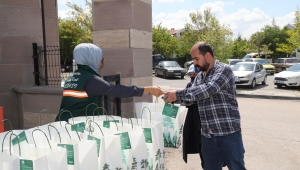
<point>170,110</point>
<point>26,164</point>
<point>79,127</point>
<point>148,135</point>
<point>70,153</point>
<point>106,123</point>
<point>98,141</point>
<point>21,136</point>
<point>125,141</point>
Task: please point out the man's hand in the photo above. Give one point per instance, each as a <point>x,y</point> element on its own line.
<point>171,96</point>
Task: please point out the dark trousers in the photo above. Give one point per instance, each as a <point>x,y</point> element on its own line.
<point>228,149</point>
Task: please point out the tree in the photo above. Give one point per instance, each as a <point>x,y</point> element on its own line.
<point>163,42</point>
<point>273,35</point>
<point>75,29</point>
<point>206,27</point>
<point>293,40</point>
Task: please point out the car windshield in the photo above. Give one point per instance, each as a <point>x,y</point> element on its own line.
<point>233,62</point>
<point>243,67</point>
<point>171,64</point>
<point>294,68</point>
<point>292,61</point>
<point>247,56</point>
<point>262,61</point>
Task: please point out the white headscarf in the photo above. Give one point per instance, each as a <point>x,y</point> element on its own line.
<point>88,54</point>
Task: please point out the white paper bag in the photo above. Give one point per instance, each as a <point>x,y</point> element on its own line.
<point>171,116</point>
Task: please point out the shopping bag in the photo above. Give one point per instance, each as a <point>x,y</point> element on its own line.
<point>113,157</point>
<point>8,160</point>
<point>171,116</point>
<point>155,146</point>
<point>56,156</point>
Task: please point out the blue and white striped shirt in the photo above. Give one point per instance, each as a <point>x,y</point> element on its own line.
<point>216,98</point>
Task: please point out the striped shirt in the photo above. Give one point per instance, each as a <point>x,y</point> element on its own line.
<point>216,98</point>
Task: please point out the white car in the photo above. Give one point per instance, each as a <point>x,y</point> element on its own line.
<point>249,74</point>
<point>290,77</point>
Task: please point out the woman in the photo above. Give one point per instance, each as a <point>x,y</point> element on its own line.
<point>86,85</point>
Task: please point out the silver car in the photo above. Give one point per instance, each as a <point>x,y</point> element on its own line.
<point>169,69</point>
<point>249,74</point>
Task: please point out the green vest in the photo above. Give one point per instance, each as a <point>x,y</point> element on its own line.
<point>75,101</point>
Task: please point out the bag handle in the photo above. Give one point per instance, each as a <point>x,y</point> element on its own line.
<point>39,116</point>
<point>43,133</point>
<point>97,125</point>
<point>137,122</point>
<point>89,106</point>
<point>56,130</point>
<point>98,112</point>
<point>114,121</point>
<point>62,113</point>
<point>10,142</point>
<point>68,131</point>
<point>143,112</point>
<point>129,119</point>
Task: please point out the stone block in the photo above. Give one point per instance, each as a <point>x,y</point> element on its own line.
<point>148,2</point>
<point>27,74</point>
<point>52,35</point>
<point>111,38</point>
<point>38,102</point>
<point>142,59</point>
<point>140,39</point>
<point>117,60</point>
<point>11,75</point>
<point>112,15</point>
<point>23,54</point>
<point>32,119</point>
<point>142,16</point>
<point>27,3</point>
<point>3,23</point>
<point>23,21</point>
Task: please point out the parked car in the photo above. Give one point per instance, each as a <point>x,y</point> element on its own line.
<point>249,74</point>
<point>187,65</point>
<point>232,62</point>
<point>267,66</point>
<point>281,64</point>
<point>157,58</point>
<point>290,77</point>
<point>261,55</point>
<point>169,69</point>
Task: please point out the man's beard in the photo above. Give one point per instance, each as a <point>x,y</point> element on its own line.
<point>204,67</point>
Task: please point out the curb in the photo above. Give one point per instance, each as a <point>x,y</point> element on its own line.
<point>263,96</point>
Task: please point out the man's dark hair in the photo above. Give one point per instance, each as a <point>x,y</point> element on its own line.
<point>204,47</point>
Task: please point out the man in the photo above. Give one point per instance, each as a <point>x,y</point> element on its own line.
<point>215,92</point>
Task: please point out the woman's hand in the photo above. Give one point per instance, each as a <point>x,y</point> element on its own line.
<point>154,90</point>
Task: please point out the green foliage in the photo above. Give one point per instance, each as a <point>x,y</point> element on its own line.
<point>206,27</point>
<point>163,42</point>
<point>293,40</point>
<point>75,29</point>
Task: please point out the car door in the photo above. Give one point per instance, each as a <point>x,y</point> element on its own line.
<point>258,75</point>
<point>160,68</point>
<point>262,72</point>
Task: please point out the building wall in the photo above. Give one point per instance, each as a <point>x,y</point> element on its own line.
<point>20,26</point>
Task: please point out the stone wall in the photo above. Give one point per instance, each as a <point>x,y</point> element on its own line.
<point>20,26</point>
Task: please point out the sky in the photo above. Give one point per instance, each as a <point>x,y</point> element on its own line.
<point>244,17</point>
